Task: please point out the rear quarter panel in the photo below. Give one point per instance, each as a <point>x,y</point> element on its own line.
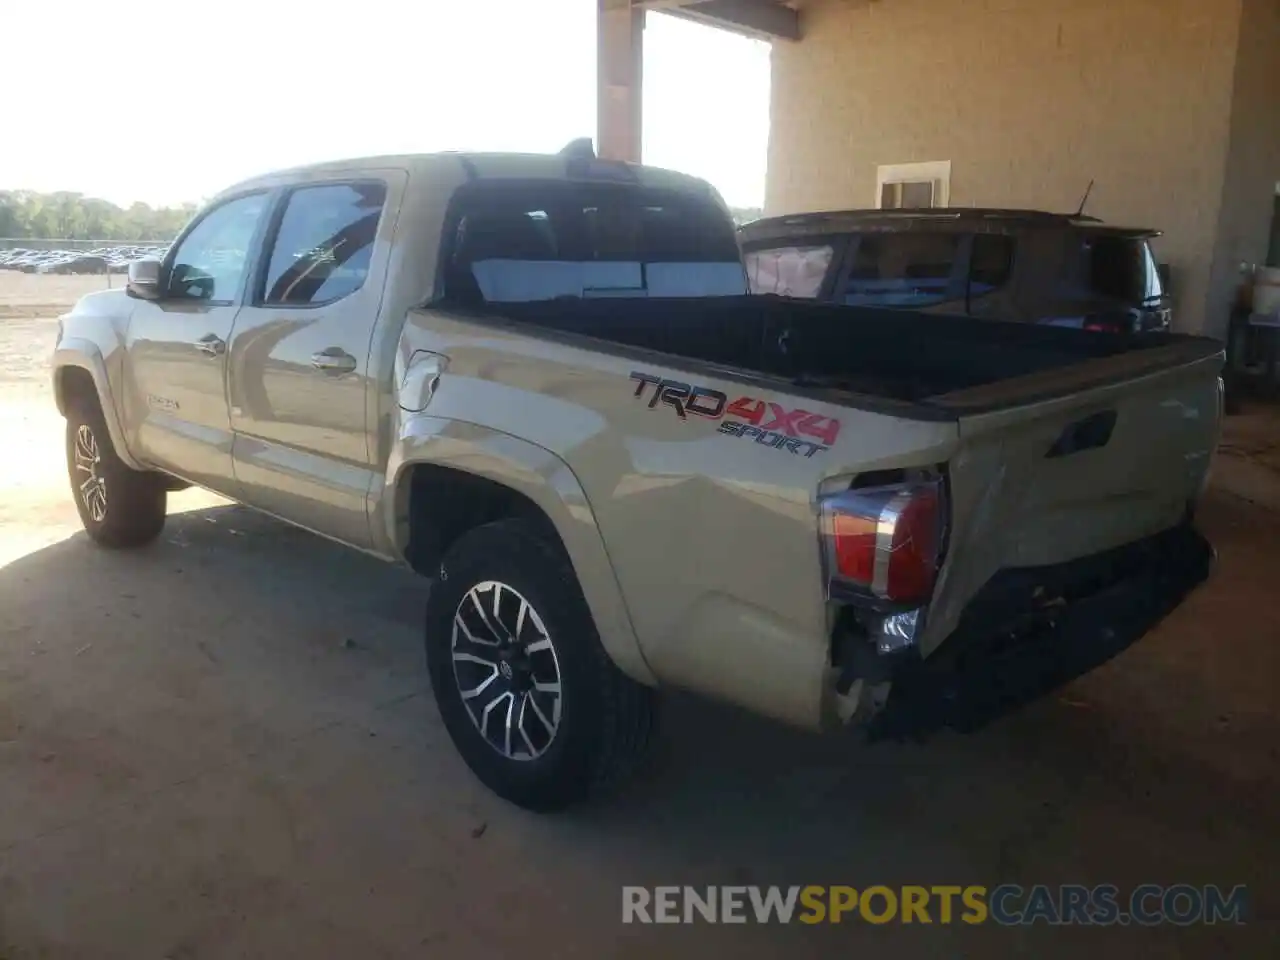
<point>712,536</point>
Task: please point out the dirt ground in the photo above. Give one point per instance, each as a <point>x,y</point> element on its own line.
<point>222,747</point>
<point>32,295</point>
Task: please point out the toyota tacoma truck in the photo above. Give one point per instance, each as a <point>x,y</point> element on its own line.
<point>541,382</point>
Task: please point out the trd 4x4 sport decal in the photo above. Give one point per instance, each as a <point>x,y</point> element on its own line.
<point>767,423</point>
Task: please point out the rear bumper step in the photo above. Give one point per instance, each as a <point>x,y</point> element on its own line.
<point>1031,630</point>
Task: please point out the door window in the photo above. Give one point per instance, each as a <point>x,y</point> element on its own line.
<point>210,262</point>
<point>323,247</point>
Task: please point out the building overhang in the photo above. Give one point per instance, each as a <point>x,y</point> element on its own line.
<point>762,19</point>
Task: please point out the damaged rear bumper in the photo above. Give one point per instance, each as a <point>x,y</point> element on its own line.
<point>1031,630</point>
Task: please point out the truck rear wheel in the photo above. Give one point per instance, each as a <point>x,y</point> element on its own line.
<point>531,700</point>
<point>119,507</point>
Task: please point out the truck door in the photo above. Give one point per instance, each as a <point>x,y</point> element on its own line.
<point>298,377</point>
<point>176,346</point>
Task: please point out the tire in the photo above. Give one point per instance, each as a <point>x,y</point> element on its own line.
<point>120,508</point>
<point>605,719</point>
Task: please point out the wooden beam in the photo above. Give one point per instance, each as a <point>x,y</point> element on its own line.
<point>764,19</point>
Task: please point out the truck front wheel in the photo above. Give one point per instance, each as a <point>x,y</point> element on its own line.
<point>119,507</point>
<point>531,700</point>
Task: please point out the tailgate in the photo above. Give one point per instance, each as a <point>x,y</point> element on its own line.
<point>1051,469</point>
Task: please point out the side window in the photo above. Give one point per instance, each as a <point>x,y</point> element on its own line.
<point>210,262</point>
<point>902,269</point>
<point>788,271</point>
<point>991,264</point>
<point>322,250</point>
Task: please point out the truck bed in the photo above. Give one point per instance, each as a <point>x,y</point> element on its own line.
<point>898,355</point>
<point>1055,445</point>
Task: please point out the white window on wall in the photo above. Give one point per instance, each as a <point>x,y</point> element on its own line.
<point>913,185</point>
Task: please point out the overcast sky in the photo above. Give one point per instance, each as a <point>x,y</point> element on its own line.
<point>168,100</point>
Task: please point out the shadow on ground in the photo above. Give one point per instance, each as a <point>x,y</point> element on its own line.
<point>221,746</point>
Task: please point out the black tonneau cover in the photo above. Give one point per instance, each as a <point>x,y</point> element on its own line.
<point>887,353</point>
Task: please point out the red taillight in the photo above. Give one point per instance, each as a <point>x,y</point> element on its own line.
<point>1097,327</point>
<point>854,546</point>
<point>914,554</point>
<point>885,540</point>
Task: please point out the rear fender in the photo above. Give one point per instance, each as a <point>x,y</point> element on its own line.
<point>543,478</point>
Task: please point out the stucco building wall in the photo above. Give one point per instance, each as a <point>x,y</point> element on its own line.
<point>1168,105</point>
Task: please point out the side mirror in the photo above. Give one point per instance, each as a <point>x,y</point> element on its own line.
<point>144,279</point>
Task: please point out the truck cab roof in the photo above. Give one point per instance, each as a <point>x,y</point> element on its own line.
<point>461,167</point>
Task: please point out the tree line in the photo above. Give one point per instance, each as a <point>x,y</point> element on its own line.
<point>28,215</point>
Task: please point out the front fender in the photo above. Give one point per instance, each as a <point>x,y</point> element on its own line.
<point>84,354</point>
<point>546,480</point>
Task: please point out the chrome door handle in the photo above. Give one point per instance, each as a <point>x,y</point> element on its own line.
<point>333,360</point>
<point>211,345</point>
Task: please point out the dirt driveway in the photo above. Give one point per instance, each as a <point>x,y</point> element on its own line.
<point>221,747</point>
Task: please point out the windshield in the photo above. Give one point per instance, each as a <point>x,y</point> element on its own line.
<point>525,241</point>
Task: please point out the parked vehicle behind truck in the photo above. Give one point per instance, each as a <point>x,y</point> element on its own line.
<point>1015,265</point>
<point>539,382</point>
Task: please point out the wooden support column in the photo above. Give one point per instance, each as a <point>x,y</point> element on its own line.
<point>619,80</point>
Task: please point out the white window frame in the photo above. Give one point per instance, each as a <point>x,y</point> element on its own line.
<point>937,172</point>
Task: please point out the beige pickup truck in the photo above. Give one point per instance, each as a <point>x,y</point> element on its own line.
<point>538,381</point>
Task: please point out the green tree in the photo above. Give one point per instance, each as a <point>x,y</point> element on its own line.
<point>27,215</point>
